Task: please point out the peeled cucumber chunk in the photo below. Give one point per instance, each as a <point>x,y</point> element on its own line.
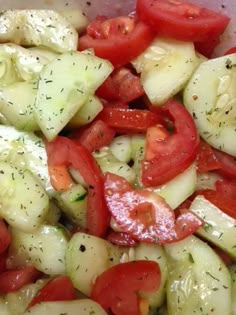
<point>38,28</point>
<point>87,257</point>
<point>121,148</point>
<point>210,97</point>
<point>155,253</point>
<point>86,114</point>
<point>25,150</point>
<point>64,86</point>
<point>198,282</point>
<point>76,307</point>
<point>165,67</point>
<point>76,18</point>
<point>179,188</point>
<point>8,73</point>
<point>4,307</point>
<point>219,228</point>
<point>23,201</point>
<point>45,248</point>
<point>17,105</point>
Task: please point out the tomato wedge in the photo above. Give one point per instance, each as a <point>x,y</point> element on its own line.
<point>3,261</point>
<point>166,155</point>
<point>145,215</point>
<point>13,280</point>
<point>121,85</point>
<point>232,50</point>
<point>117,288</point>
<point>206,159</point>
<point>129,120</point>
<point>5,236</point>
<point>226,188</point>
<point>57,289</point>
<point>228,164</point>
<point>119,39</point>
<point>181,20</point>
<point>64,151</point>
<point>94,136</point>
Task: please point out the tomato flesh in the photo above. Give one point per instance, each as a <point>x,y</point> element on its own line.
<point>206,159</point>
<point>228,164</point>
<point>5,236</point>
<point>181,20</point>
<point>119,40</point>
<point>168,156</point>
<point>145,215</point>
<point>116,289</point>
<point>121,239</point>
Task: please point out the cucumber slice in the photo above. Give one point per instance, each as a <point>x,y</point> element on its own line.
<point>77,307</point>
<point>165,67</point>
<point>38,28</point>
<point>88,256</point>
<point>73,203</point>
<point>64,86</point>
<point>25,150</point>
<point>219,228</point>
<point>4,307</point>
<point>233,279</point>
<point>210,97</point>
<point>121,148</point>
<point>17,105</point>
<point>45,248</point>
<point>199,282</point>
<point>87,112</point>
<point>109,163</point>
<point>155,253</point>
<point>207,180</point>
<point>24,203</point>
<point>8,73</point>
<point>76,18</point>
<point>186,183</point>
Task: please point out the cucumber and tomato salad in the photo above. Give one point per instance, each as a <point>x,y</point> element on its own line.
<point>127,189</point>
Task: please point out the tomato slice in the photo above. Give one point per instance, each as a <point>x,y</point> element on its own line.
<point>227,205</point>
<point>226,188</point>
<point>64,151</point>
<point>94,136</point>
<point>206,159</point>
<point>3,261</point>
<point>145,215</point>
<point>5,236</point>
<point>228,164</point>
<point>168,156</point>
<point>206,48</point>
<point>121,239</point>
<point>13,280</point>
<point>181,20</point>
<point>119,39</point>
<point>121,85</point>
<point>60,178</point>
<point>57,289</point>
<point>129,120</point>
<point>117,288</point>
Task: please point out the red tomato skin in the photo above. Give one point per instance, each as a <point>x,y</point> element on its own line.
<point>117,288</point>
<point>181,20</point>
<point>122,85</point>
<point>3,262</point>
<point>145,215</point>
<point>129,120</point>
<point>174,154</point>
<point>57,289</point>
<point>206,158</point>
<point>114,104</point>
<point>5,236</point>
<point>121,239</point>
<point>230,51</point>
<point>64,151</point>
<point>131,44</point>
<point>94,136</point>
<point>14,279</point>
<point>228,164</point>
<point>206,48</point>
